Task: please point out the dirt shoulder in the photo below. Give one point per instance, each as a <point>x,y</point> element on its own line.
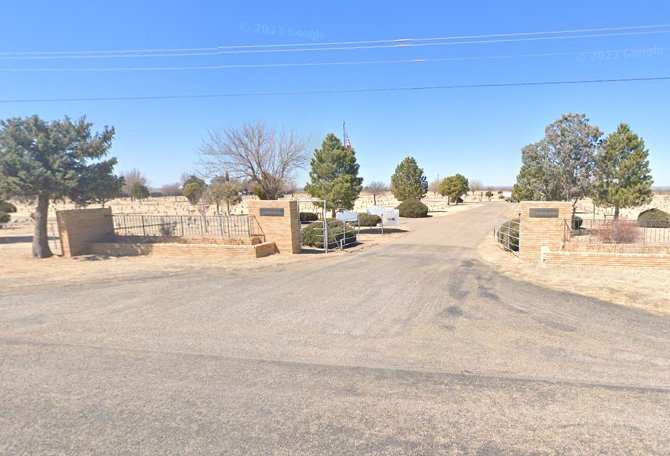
<point>19,269</point>
<point>642,288</point>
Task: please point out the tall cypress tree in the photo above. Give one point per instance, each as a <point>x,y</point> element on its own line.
<point>334,175</point>
<point>623,175</point>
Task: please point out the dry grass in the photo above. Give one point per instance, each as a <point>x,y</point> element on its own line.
<point>642,288</point>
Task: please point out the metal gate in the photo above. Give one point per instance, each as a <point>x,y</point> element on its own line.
<point>313,233</point>
<point>321,234</point>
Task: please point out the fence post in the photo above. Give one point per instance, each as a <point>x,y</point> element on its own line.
<point>144,230</point>
<point>509,233</point>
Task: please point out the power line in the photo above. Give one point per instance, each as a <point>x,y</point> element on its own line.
<point>320,64</point>
<point>399,44</point>
<point>336,91</point>
<point>337,43</point>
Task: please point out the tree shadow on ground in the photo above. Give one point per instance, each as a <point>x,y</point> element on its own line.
<point>16,239</point>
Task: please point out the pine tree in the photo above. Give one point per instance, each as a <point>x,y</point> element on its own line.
<point>43,161</point>
<point>408,181</point>
<point>334,175</point>
<point>139,192</point>
<point>623,175</point>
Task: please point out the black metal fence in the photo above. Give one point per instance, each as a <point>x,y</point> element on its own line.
<point>186,226</point>
<point>617,232</point>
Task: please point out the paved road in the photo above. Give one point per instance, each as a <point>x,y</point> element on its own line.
<point>411,347</point>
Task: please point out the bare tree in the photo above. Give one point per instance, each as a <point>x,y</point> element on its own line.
<point>171,189</point>
<point>434,186</point>
<point>376,188</point>
<point>475,185</point>
<point>257,152</point>
<point>132,177</point>
<point>290,186</point>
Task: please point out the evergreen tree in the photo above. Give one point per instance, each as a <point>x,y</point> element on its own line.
<point>43,161</point>
<point>623,175</point>
<point>194,191</point>
<point>454,187</point>
<point>99,185</point>
<point>334,175</point>
<point>139,192</point>
<point>408,181</point>
<point>560,166</point>
<point>223,190</point>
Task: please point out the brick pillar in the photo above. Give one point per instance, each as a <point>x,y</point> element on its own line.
<point>542,225</point>
<point>280,222</point>
<point>78,228</point>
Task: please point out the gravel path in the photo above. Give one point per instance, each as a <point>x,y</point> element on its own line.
<point>410,347</point>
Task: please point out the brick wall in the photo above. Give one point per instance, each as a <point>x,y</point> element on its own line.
<point>283,230</point>
<point>536,232</point>
<point>581,259</point>
<point>173,249</point>
<point>78,228</point>
<point>616,248</point>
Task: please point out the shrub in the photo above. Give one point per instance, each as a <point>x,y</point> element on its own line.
<point>4,217</point>
<point>617,232</point>
<point>577,222</point>
<point>412,208</point>
<point>502,197</point>
<point>508,235</point>
<point>654,218</point>
<point>308,217</point>
<point>7,207</point>
<point>368,219</point>
<point>167,229</point>
<point>312,234</point>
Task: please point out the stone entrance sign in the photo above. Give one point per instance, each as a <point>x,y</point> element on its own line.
<point>280,222</point>
<point>541,225</point>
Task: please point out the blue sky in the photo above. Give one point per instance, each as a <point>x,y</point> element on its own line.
<point>477,132</point>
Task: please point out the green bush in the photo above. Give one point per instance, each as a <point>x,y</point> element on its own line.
<point>6,206</point>
<point>508,235</point>
<point>412,208</point>
<point>4,217</point>
<point>312,234</point>
<point>654,218</point>
<point>365,219</point>
<point>308,217</point>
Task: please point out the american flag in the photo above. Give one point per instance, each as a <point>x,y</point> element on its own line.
<point>347,143</point>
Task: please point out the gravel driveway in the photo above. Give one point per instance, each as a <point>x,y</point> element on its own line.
<point>411,347</point>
